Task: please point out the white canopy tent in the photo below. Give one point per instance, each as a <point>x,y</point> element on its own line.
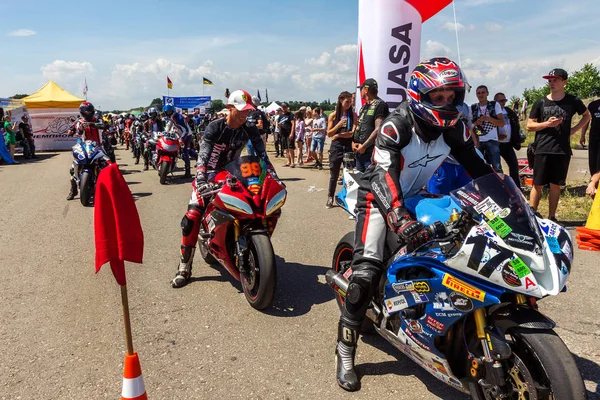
<point>272,107</point>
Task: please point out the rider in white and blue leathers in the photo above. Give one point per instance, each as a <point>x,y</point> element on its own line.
<point>185,135</point>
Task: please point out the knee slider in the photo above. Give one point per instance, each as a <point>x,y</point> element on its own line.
<point>359,289</point>
<point>187,225</point>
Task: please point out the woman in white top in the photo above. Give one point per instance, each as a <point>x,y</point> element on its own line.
<point>308,119</point>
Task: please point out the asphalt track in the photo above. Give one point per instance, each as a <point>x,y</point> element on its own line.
<point>61,330</point>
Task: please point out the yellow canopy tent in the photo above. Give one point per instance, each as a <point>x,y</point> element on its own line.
<point>52,96</point>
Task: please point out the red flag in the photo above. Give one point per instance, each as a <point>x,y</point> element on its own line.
<point>428,8</point>
<point>169,83</point>
<point>117,229</point>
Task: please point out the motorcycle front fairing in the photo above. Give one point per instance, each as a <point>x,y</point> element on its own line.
<point>511,247</point>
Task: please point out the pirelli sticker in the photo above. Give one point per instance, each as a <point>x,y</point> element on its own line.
<point>459,286</point>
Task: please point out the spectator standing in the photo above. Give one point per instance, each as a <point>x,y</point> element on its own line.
<point>11,140</point>
<point>300,132</point>
<point>550,119</point>
<point>594,138</point>
<point>277,134</point>
<point>319,127</point>
<point>509,138</point>
<point>308,120</point>
<point>523,110</point>
<point>515,106</point>
<point>27,135</point>
<point>372,113</point>
<point>341,125</point>
<point>487,117</point>
<point>287,131</point>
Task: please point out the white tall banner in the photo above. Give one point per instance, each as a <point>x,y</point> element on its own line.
<point>50,126</point>
<point>389,42</point>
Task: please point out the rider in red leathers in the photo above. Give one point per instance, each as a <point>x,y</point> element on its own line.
<point>223,142</point>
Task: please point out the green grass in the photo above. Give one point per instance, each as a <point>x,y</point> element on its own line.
<point>574,205</point>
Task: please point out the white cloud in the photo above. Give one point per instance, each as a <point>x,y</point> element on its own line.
<point>346,49</point>
<point>451,27</point>
<point>493,27</point>
<point>322,60</point>
<point>22,32</point>
<point>431,48</point>
<point>59,69</point>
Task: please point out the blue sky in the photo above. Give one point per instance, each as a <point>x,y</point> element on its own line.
<point>299,50</point>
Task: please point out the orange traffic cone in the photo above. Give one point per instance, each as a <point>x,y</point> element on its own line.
<point>589,237</point>
<point>133,383</point>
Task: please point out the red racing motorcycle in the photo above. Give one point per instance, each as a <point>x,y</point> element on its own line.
<point>238,223</point>
<point>166,154</point>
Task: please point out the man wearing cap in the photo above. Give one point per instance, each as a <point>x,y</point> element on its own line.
<point>223,142</point>
<point>372,113</point>
<point>550,119</point>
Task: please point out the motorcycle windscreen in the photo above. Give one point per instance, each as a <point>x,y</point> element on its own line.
<point>251,171</point>
<point>496,200</point>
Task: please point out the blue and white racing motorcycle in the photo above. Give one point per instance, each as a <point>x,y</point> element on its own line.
<point>464,306</point>
<point>89,157</point>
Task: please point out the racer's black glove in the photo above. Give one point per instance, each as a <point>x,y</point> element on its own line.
<point>410,231</point>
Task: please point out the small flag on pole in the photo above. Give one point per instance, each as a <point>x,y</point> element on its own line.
<point>206,81</point>
<point>267,95</point>
<point>85,88</point>
<point>258,95</point>
<point>169,83</point>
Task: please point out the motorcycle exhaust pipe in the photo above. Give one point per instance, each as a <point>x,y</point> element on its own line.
<point>337,282</point>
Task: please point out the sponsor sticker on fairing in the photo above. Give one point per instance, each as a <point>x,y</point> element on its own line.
<point>403,287</point>
<point>396,304</point>
<point>434,324</point>
<point>457,285</point>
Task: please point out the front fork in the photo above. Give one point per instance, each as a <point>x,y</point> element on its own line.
<point>495,379</point>
<point>241,246</point>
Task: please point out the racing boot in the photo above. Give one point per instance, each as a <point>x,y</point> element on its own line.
<point>73,191</point>
<point>146,165</point>
<point>185,267</point>
<point>187,173</point>
<point>344,358</point>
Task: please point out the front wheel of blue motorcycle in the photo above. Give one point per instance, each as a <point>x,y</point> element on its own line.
<point>86,188</point>
<point>541,368</point>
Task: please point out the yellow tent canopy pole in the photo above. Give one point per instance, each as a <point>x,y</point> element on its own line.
<point>51,95</point>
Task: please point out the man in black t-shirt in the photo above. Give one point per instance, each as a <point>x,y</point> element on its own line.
<point>372,113</point>
<point>550,119</point>
<point>286,130</point>
<point>594,142</point>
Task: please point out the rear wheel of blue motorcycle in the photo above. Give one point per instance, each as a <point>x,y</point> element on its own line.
<point>85,187</point>
<point>342,259</point>
<point>546,364</point>
<point>259,283</point>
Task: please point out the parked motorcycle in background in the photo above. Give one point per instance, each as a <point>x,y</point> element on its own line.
<point>238,223</point>
<point>464,306</point>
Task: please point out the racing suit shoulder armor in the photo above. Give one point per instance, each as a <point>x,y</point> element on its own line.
<point>396,129</point>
